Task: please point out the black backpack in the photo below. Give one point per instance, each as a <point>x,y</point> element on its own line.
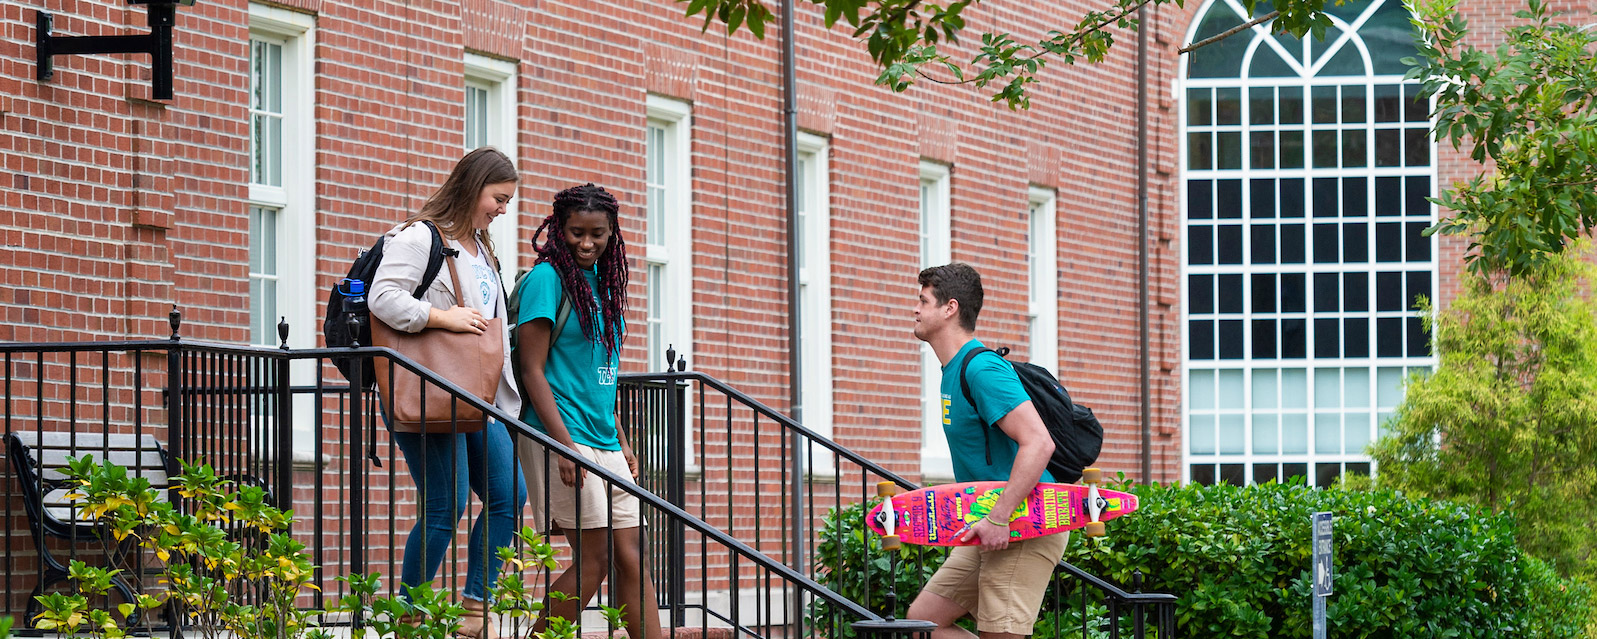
<point>335,320</point>
<point>1077,435</point>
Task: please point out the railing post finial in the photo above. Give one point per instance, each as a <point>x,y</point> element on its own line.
<point>354,330</point>
<point>670,356</point>
<point>1136,581</point>
<point>175,319</point>
<point>682,364</point>
<point>282,331</point>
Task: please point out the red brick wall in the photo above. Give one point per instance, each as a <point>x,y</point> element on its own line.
<point>141,204</point>
<point>115,207</point>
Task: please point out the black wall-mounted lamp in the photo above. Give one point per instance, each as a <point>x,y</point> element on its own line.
<point>157,43</point>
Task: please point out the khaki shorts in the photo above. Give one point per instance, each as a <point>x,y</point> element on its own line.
<point>1001,589</point>
<point>603,505</point>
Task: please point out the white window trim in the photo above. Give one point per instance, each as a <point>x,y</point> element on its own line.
<point>296,199</point>
<point>816,349</point>
<point>499,77</point>
<point>676,117</point>
<point>1043,298</point>
<point>936,461</point>
<point>1311,365</point>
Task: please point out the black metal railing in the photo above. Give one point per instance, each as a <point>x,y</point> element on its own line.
<point>734,494</point>
<point>282,419</point>
<point>772,483</point>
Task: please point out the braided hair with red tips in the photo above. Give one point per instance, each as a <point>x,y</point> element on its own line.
<point>611,267</point>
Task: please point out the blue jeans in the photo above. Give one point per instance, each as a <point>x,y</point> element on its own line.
<point>444,466</point>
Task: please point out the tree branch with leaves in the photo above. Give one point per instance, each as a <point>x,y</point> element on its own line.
<point>910,40</point>
<point>1527,110</point>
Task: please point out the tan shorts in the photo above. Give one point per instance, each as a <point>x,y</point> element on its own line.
<point>603,505</point>
<point>1001,589</point>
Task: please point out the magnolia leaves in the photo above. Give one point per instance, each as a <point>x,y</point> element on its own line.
<point>903,37</point>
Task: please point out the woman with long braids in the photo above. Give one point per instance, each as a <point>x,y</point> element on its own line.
<point>445,465</point>
<point>571,390</point>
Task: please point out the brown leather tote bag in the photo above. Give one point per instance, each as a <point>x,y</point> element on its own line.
<point>473,362</point>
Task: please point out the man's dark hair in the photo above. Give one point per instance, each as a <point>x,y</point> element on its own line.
<point>957,281</point>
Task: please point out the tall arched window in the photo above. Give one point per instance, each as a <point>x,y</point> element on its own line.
<point>1307,167</point>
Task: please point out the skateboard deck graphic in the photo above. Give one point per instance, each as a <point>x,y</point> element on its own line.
<point>938,515</point>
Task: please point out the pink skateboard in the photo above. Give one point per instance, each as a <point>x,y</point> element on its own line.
<point>939,515</point>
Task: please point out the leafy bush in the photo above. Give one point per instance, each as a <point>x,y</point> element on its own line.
<point>222,542</point>
<point>1508,420</point>
<point>850,562</point>
<point>1239,559</point>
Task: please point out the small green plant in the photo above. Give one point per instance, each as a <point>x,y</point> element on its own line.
<point>515,598</point>
<point>219,542</point>
<point>421,613</point>
<point>425,613</point>
<point>850,561</point>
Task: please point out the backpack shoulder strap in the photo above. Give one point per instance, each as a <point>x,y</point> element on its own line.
<point>561,315</point>
<point>964,386</point>
<point>435,260</point>
<point>964,382</point>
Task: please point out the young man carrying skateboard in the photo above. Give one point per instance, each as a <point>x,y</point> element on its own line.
<point>998,583</point>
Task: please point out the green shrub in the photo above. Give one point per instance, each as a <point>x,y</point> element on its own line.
<point>1508,419</point>
<point>221,542</point>
<point>1239,560</point>
<point>850,561</point>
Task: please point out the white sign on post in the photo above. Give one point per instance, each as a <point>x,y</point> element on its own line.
<point>1322,569</point>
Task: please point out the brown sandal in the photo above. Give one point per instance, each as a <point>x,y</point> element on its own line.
<point>477,623</point>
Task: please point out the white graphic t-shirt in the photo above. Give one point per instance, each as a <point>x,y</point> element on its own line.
<point>480,280</point>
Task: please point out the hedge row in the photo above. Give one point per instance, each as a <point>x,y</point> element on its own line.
<point>1239,559</point>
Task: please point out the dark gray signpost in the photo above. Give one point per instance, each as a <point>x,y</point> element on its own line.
<point>1322,570</point>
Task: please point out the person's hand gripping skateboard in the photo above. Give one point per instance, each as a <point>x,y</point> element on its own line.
<point>993,535</point>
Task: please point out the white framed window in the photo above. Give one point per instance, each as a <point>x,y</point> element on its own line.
<point>936,249</point>
<point>668,224</point>
<point>264,275</point>
<point>490,121</point>
<point>1042,267</point>
<point>282,193</point>
<point>815,282</point>
<point>282,189</point>
<point>1307,165</point>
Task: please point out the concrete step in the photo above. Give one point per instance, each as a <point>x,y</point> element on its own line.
<point>695,632</point>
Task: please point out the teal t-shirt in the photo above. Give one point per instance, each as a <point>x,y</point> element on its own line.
<point>581,374</point>
<point>997,390</point>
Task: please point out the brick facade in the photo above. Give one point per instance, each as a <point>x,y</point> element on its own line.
<point>116,207</point>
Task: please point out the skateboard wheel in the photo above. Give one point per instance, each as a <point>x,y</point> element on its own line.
<point>887,489</point>
<point>1090,476</point>
<point>890,542</point>
<point>1095,529</point>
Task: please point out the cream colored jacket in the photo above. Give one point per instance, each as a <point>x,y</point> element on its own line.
<point>404,261</point>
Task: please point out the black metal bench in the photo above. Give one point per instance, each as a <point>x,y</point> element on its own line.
<point>39,459</point>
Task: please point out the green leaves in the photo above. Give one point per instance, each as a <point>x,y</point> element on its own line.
<point>1239,559</point>
<point>901,37</point>
<point>1508,420</point>
<point>196,548</point>
<point>732,13</point>
<point>1528,109</point>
